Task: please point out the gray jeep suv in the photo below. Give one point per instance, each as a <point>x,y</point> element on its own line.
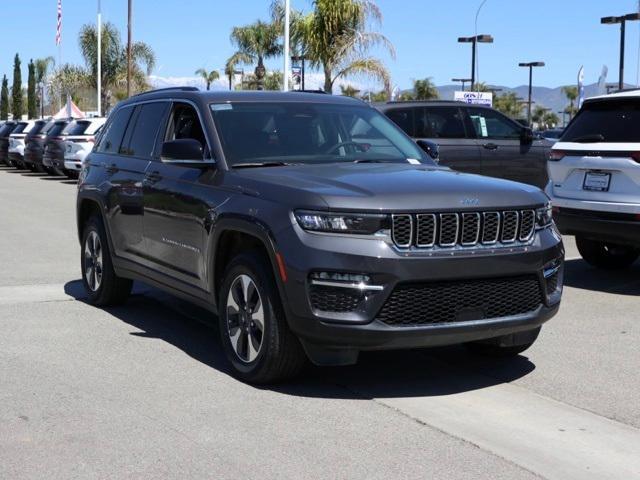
<point>311,227</point>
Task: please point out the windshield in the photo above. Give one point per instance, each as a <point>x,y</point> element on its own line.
<point>309,133</point>
<point>606,121</point>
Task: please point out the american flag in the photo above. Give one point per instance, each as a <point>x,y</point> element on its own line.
<point>59,29</point>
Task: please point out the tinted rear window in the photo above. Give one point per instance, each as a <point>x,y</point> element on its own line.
<point>606,121</point>
<point>111,139</point>
<point>5,130</point>
<point>147,122</point>
<point>37,128</point>
<point>57,129</point>
<point>77,128</point>
<point>20,128</point>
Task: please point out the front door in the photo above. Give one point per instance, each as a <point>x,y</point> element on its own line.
<point>504,155</point>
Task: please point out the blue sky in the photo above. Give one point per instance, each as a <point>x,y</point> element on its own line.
<point>189,34</point>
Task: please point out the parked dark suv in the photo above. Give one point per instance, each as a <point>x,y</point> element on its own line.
<point>313,227</point>
<point>5,130</point>
<point>475,139</point>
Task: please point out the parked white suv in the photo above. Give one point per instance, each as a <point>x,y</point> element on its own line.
<point>16,143</point>
<point>80,137</point>
<point>594,180</point>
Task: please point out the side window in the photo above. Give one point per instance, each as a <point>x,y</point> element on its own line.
<point>185,123</point>
<point>403,117</point>
<point>439,122</point>
<point>111,138</point>
<point>144,129</point>
<point>491,124</point>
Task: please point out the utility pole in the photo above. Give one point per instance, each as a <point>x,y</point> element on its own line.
<point>622,20</point>
<point>285,76</point>
<point>99,79</point>
<point>129,48</point>
<point>474,41</point>
<point>530,66</point>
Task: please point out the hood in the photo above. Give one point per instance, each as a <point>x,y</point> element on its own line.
<point>388,187</point>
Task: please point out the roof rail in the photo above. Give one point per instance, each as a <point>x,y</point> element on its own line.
<point>168,89</point>
<point>311,91</point>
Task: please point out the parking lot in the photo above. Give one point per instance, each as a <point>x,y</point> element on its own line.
<point>142,390</point>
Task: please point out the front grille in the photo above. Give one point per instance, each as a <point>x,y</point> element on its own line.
<point>466,229</point>
<point>333,299</point>
<point>461,300</point>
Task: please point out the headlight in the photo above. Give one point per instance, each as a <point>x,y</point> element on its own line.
<point>353,223</point>
<point>544,216</point>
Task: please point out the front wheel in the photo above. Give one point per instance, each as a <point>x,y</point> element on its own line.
<point>103,286</point>
<point>607,256</point>
<point>253,329</point>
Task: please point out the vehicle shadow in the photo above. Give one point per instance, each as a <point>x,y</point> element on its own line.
<point>70,181</point>
<point>34,174</point>
<point>13,170</point>
<point>579,274</point>
<point>414,373</point>
<point>54,177</point>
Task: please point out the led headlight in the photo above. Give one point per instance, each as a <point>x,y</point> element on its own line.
<point>353,223</point>
<point>544,216</point>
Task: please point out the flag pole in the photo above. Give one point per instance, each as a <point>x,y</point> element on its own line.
<point>99,73</point>
<point>287,9</point>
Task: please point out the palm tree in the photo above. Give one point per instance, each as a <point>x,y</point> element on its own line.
<point>425,89</point>
<point>538,115</point>
<point>349,91</point>
<point>208,77</point>
<point>571,92</point>
<point>114,60</point>
<point>255,43</point>
<point>509,104</point>
<point>334,38</point>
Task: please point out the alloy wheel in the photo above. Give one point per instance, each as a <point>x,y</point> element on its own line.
<point>93,261</point>
<point>245,318</point>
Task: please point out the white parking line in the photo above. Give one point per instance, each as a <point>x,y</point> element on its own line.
<point>542,435</point>
<point>12,295</point>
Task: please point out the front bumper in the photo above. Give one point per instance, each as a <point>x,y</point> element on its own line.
<point>621,228</point>
<point>389,268</point>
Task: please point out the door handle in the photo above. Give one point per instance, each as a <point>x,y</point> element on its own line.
<point>153,177</point>
<point>490,146</point>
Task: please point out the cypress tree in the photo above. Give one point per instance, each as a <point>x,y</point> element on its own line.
<point>4,99</point>
<point>32,106</point>
<point>16,90</point>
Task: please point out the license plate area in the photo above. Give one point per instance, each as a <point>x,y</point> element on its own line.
<point>597,181</point>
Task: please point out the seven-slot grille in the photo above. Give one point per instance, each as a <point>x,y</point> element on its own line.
<point>467,229</point>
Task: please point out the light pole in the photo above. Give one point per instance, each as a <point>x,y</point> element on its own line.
<point>287,10</point>
<point>129,48</point>
<point>99,73</point>
<point>484,38</point>
<point>462,81</point>
<point>622,20</point>
<point>530,65</point>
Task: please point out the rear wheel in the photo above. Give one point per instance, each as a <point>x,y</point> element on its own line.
<point>103,286</point>
<point>253,329</point>
<point>608,256</point>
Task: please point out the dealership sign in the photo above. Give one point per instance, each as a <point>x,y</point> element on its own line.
<point>475,98</point>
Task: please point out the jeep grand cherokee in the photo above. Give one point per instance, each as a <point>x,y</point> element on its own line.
<point>314,228</point>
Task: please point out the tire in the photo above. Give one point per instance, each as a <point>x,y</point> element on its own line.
<point>103,286</point>
<point>49,170</point>
<point>607,256</point>
<point>278,355</point>
<point>503,347</point>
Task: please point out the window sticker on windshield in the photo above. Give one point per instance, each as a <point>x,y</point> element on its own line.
<point>218,107</point>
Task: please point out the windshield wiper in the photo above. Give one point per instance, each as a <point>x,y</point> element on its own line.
<point>590,138</point>
<point>261,164</point>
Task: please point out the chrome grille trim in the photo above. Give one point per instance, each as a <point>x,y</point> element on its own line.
<point>420,226</point>
<point>509,222</point>
<point>463,230</point>
<point>444,219</point>
<point>395,219</point>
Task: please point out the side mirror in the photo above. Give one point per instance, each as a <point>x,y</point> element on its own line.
<point>526,137</point>
<point>431,148</point>
<point>181,149</point>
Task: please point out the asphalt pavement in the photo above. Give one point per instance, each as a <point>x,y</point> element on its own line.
<point>142,391</point>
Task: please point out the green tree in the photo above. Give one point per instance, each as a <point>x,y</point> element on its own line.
<point>4,99</point>
<point>114,61</point>
<point>376,97</point>
<point>550,120</point>
<point>334,38</point>
<point>349,91</point>
<point>538,114</point>
<point>271,81</point>
<point>406,96</point>
<point>255,43</point>
<point>32,105</point>
<point>16,90</point>
<point>208,77</point>
<point>509,104</point>
<point>425,90</point>
<point>571,92</point>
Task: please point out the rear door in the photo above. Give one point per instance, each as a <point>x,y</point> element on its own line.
<point>504,154</point>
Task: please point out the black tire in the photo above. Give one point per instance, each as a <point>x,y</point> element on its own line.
<point>279,355</point>
<point>49,170</point>
<point>503,347</point>
<point>607,256</point>
<point>111,289</point>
